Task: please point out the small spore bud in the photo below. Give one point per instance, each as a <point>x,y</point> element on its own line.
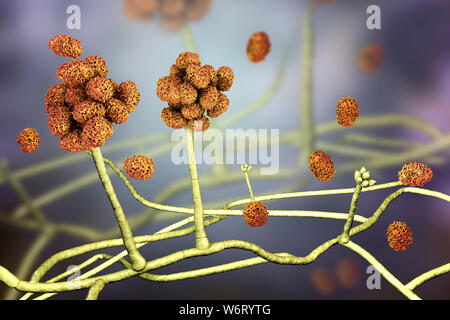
<point>255,214</point>
<point>117,111</point>
<point>258,46</point>
<point>28,140</point>
<point>347,111</point>
<point>96,131</point>
<point>54,98</point>
<point>72,142</point>
<point>74,96</point>
<point>98,64</point>
<point>199,125</point>
<point>225,78</point>
<point>60,123</point>
<point>321,165</point>
<point>415,174</point>
<point>100,89</point>
<point>192,111</point>
<point>208,97</point>
<point>399,236</point>
<point>173,118</point>
<point>185,59</point>
<point>65,46</point>
<point>128,92</point>
<point>86,110</point>
<point>139,167</point>
<point>220,107</point>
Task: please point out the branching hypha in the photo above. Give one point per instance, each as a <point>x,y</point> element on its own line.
<point>139,167</point>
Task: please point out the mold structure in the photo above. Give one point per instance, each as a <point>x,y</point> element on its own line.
<point>255,212</point>
<point>82,109</point>
<point>99,277</point>
<point>172,14</point>
<point>194,93</point>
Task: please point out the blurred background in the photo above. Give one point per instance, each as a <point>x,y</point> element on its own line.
<point>412,78</point>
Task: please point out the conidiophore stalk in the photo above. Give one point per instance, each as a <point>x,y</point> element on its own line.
<point>138,262</point>
<point>201,240</point>
<point>246,168</point>
<point>362,179</point>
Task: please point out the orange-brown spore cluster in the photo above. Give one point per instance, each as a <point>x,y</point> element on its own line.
<point>399,236</point>
<point>370,57</point>
<point>28,140</point>
<point>84,107</point>
<point>65,46</point>
<point>347,111</point>
<point>321,165</point>
<point>190,89</point>
<point>258,47</point>
<point>139,167</point>
<point>172,13</point>
<point>255,214</point>
<point>415,174</point>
